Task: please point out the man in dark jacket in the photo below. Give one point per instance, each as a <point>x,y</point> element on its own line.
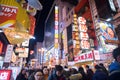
<point>57,73</point>
<point>22,75</point>
<point>99,74</point>
<point>89,73</point>
<point>114,68</point>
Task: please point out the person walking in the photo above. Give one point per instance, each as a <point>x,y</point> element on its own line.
<point>46,73</point>
<point>22,75</point>
<point>81,70</point>
<point>114,68</point>
<point>89,73</point>
<point>103,68</point>
<point>38,75</point>
<point>99,74</point>
<point>57,74</point>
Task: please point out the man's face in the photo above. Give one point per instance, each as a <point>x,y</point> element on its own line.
<point>59,73</point>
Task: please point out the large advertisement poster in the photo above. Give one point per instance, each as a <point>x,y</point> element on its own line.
<point>107,31</point>
<point>8,16</point>
<point>108,36</point>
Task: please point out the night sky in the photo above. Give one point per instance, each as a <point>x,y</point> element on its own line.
<point>40,22</point>
<point>40,19</point>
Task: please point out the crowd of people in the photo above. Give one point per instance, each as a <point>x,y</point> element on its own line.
<point>60,73</point>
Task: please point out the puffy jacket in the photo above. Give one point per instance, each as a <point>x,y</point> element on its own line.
<point>53,76</point>
<point>75,77</point>
<point>114,70</point>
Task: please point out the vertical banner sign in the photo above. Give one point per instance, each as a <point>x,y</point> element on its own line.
<point>8,54</point>
<point>5,74</point>
<point>94,13</point>
<point>8,16</point>
<point>75,36</point>
<point>56,32</point>
<point>83,33</point>
<point>1,47</point>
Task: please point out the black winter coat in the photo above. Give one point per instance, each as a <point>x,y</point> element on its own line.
<point>115,75</point>
<point>100,75</point>
<point>21,77</point>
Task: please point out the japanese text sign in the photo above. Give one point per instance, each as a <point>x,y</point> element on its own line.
<point>8,16</point>
<point>5,74</point>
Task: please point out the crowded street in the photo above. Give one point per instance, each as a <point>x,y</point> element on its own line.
<point>59,39</point>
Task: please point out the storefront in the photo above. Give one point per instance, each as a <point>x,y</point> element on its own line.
<point>88,58</point>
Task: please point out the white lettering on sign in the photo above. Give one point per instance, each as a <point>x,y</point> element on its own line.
<point>85,44</point>
<point>9,9</point>
<point>81,20</point>
<point>83,27</point>
<point>3,76</point>
<point>8,53</point>
<point>84,57</point>
<point>83,36</point>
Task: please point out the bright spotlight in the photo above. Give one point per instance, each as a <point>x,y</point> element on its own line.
<point>100,49</point>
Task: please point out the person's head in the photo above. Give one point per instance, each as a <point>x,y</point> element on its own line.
<point>116,54</point>
<point>38,75</point>
<point>59,70</point>
<point>97,67</point>
<point>110,32</point>
<point>80,69</point>
<point>23,71</point>
<point>101,64</point>
<point>87,67</point>
<point>45,70</point>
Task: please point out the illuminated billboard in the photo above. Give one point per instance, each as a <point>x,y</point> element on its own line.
<point>107,31</point>
<point>108,36</point>
<point>84,38</point>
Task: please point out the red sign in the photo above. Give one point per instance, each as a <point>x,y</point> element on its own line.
<point>84,57</point>
<point>81,20</point>
<point>8,16</point>
<point>1,47</point>
<point>32,24</point>
<point>19,50</point>
<point>85,44</point>
<point>84,36</point>
<point>83,27</point>
<point>5,74</point>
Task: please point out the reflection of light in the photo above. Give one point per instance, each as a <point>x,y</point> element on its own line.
<point>32,37</point>
<point>1,31</point>
<point>109,19</point>
<point>100,49</point>
<point>17,36</point>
